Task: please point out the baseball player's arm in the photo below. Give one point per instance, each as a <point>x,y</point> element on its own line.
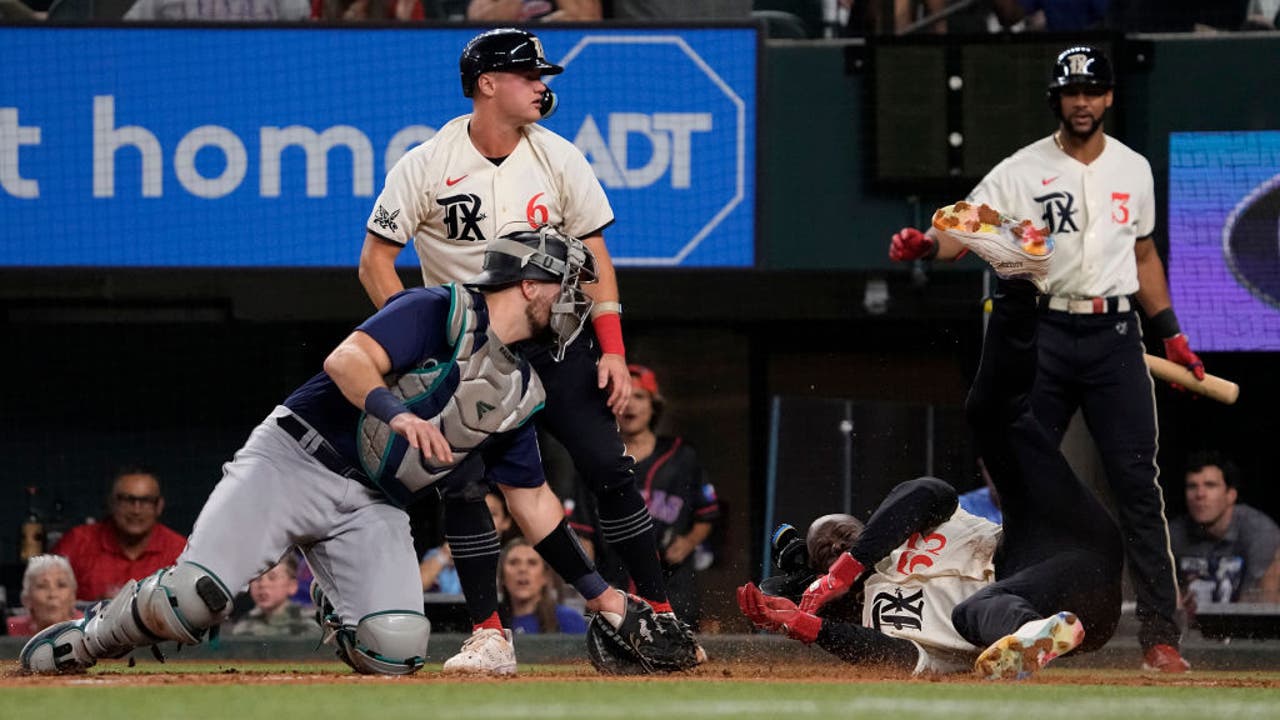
<point>860,645</point>
<point>378,269</point>
<point>357,366</point>
<point>1153,295</point>
<point>612,374</point>
<point>683,545</point>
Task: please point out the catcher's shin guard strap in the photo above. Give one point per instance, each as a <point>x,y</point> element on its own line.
<point>565,555</point>
<point>178,603</point>
<point>388,643</point>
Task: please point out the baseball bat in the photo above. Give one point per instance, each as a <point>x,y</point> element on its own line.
<point>1224,391</point>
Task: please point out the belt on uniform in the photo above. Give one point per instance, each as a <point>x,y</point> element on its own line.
<point>317,447</point>
<point>1086,306</point>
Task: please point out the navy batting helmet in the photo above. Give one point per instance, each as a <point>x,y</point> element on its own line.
<point>502,50</point>
<point>1082,65</point>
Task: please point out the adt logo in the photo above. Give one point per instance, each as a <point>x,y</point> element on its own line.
<point>664,133</point>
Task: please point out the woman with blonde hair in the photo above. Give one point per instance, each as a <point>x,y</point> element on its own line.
<point>529,594</point>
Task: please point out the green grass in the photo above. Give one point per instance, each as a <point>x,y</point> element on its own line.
<point>381,699</point>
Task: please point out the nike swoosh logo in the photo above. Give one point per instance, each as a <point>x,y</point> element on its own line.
<point>454,181</point>
<point>1045,181</point>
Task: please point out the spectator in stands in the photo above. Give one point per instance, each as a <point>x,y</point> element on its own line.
<point>361,10</point>
<point>681,501</point>
<point>530,10</point>
<point>681,10</point>
<point>274,612</point>
<point>48,594</point>
<point>1223,547</point>
<point>529,594</point>
<point>437,569</point>
<point>260,10</point>
<point>131,543</point>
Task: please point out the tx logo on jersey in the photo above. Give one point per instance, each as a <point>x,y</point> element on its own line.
<point>384,219</point>
<point>462,217</point>
<point>1058,209</point>
<point>900,611</point>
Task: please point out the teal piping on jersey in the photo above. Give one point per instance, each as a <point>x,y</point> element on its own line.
<point>532,412</point>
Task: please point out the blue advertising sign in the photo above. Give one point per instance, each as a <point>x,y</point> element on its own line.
<point>234,147</point>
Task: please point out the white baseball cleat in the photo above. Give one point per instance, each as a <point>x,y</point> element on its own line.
<point>1013,248</point>
<point>59,648</point>
<point>1020,655</point>
<point>486,652</point>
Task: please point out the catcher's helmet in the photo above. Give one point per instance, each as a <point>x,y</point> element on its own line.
<point>503,50</point>
<point>544,255</point>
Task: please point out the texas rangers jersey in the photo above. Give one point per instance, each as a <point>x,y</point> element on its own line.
<point>450,200</point>
<point>1095,212</point>
<point>912,592</point>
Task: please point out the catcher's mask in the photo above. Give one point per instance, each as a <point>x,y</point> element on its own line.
<point>546,255</point>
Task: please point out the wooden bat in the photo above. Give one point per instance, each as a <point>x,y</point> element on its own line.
<point>1224,391</point>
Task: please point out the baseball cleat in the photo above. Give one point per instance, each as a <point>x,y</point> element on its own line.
<point>1013,248</point>
<point>1022,654</point>
<point>1164,659</point>
<point>59,648</point>
<point>486,652</point>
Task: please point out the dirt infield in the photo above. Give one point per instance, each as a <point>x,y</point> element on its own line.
<point>266,673</point>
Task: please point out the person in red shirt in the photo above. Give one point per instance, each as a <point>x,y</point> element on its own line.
<point>130,544</point>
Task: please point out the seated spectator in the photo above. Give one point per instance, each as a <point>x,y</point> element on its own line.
<point>529,10</point>
<point>274,612</point>
<point>529,594</point>
<point>1054,15</point>
<point>1223,547</point>
<point>438,572</point>
<point>262,10</point>
<point>130,544</point>
<point>48,594</point>
<point>362,10</point>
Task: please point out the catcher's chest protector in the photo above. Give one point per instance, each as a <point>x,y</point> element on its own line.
<point>482,390</point>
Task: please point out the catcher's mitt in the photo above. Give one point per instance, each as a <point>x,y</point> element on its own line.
<point>641,644</point>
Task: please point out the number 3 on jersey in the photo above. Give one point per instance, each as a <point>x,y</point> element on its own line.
<point>1120,207</point>
<point>918,551</point>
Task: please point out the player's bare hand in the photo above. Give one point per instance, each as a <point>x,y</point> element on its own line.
<point>910,244</point>
<point>424,436</point>
<point>678,550</point>
<point>613,376</point>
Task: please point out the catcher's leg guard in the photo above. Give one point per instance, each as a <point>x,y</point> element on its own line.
<point>178,603</point>
<point>389,643</point>
<point>59,648</point>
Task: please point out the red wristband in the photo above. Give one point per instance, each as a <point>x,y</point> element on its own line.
<point>608,327</point>
<point>847,569</point>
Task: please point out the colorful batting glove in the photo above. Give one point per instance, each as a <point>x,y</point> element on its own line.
<point>844,572</point>
<point>779,614</point>
<point>911,244</point>
<point>1178,349</point>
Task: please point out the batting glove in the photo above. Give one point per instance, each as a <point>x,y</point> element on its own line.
<point>844,572</point>
<point>778,614</point>
<point>911,244</point>
<point>1178,349</point>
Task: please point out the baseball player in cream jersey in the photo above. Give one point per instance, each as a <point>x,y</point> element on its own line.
<point>482,175</point>
<point>1096,197</point>
<point>942,590</point>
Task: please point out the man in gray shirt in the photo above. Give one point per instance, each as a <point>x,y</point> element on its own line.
<point>1222,547</point>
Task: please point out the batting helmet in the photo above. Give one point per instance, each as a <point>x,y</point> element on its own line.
<point>502,50</point>
<point>1082,65</point>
